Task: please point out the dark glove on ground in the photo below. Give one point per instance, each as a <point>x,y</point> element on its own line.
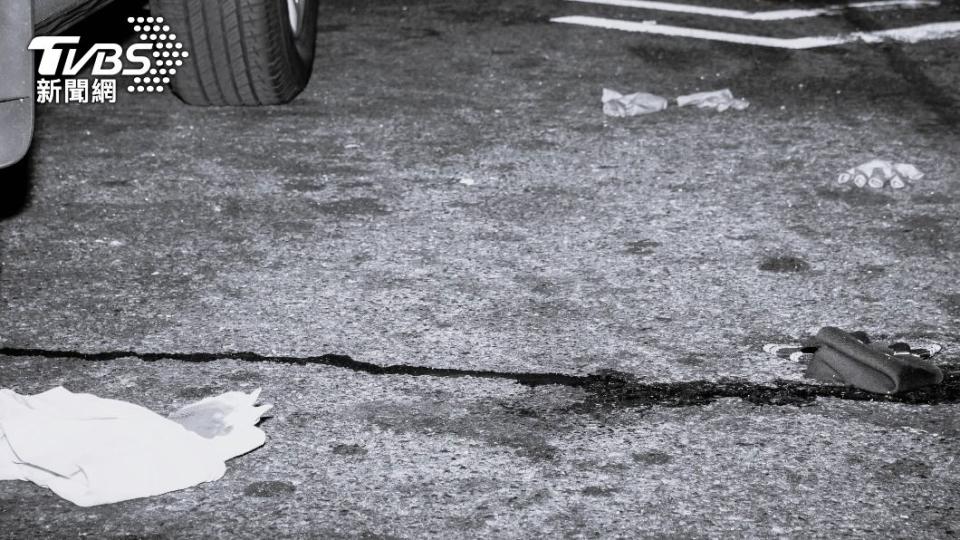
<point>843,357</point>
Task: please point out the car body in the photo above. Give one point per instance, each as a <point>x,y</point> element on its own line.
<point>269,61</point>
<point>19,20</point>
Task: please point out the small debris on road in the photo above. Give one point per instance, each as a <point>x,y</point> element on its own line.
<point>784,264</point>
<point>851,358</point>
<point>877,173</point>
<point>797,351</point>
<point>619,105</point>
<point>719,100</point>
<point>90,450</point>
<point>467,181</point>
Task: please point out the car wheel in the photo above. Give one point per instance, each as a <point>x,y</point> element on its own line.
<point>241,52</point>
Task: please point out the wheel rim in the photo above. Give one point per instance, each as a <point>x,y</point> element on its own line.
<point>295,10</point>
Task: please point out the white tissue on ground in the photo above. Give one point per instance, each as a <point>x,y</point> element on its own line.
<point>90,450</point>
<point>620,105</point>
<point>719,100</point>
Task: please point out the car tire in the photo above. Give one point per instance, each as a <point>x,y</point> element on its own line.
<point>241,52</point>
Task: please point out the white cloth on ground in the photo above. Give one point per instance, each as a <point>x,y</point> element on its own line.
<point>90,450</point>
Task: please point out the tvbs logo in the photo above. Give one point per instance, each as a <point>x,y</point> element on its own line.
<point>107,57</point>
<point>151,63</point>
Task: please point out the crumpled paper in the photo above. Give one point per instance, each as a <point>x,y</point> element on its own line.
<point>878,172</point>
<point>620,106</point>
<point>719,100</point>
<point>90,450</point>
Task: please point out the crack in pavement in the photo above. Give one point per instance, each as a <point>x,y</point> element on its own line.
<point>604,389</point>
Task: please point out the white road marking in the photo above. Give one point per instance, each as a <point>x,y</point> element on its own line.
<point>910,34</point>
<point>776,15</point>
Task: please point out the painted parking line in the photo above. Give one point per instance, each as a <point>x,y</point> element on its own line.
<point>909,34</point>
<point>775,15</point>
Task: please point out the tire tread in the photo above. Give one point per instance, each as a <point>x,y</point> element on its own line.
<point>237,54</point>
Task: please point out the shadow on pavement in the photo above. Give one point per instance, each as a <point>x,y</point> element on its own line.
<point>106,25</point>
<point>15,189</point>
<point>109,25</point>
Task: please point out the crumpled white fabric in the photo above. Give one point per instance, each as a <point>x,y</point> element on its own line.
<point>90,450</point>
<point>719,100</point>
<point>618,105</point>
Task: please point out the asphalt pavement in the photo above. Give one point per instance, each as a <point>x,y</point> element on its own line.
<point>481,308</point>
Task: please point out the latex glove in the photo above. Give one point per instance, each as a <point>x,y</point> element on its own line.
<point>878,172</point>
<point>719,100</point>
